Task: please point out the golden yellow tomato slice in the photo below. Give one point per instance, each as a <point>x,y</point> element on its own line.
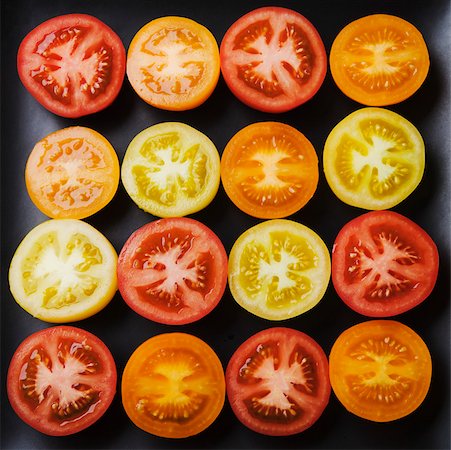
<point>171,170</point>
<point>72,173</point>
<point>380,370</point>
<point>374,159</point>
<point>63,270</point>
<point>278,269</point>
<point>173,63</point>
<point>173,385</point>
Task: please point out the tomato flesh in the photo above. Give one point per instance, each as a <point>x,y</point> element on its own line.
<point>269,170</point>
<point>74,64</point>
<point>379,60</point>
<point>383,264</point>
<point>273,59</point>
<point>173,385</point>
<point>61,380</point>
<point>380,370</point>
<point>172,270</point>
<point>277,382</point>
<point>72,173</point>
<point>374,159</point>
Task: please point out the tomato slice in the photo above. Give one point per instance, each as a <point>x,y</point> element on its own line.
<point>61,380</point>
<point>173,386</point>
<point>173,63</point>
<point>380,370</point>
<point>278,269</point>
<point>73,65</point>
<point>63,270</point>
<point>173,271</point>
<point>379,60</point>
<point>278,382</point>
<point>269,170</point>
<point>72,173</point>
<point>383,264</point>
<point>171,169</point>
<point>374,159</point>
<point>273,59</point>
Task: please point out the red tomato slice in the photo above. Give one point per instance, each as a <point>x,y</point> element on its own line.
<point>383,264</point>
<point>73,65</point>
<point>61,380</point>
<point>273,59</point>
<point>172,271</point>
<point>278,382</point>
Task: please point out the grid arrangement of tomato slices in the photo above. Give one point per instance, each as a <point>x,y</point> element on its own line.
<point>174,270</point>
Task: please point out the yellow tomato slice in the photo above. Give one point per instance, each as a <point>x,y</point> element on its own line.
<point>173,385</point>
<point>379,60</point>
<point>173,63</point>
<point>171,170</point>
<point>380,370</point>
<point>72,173</point>
<point>63,270</point>
<point>278,269</point>
<point>374,159</point>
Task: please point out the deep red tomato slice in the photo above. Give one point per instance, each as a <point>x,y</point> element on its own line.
<point>273,59</point>
<point>383,264</point>
<point>73,65</point>
<point>278,382</point>
<point>173,270</point>
<point>61,380</point>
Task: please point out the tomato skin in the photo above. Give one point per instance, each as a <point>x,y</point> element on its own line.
<point>274,351</point>
<point>102,378</point>
<point>380,370</point>
<point>30,58</point>
<point>172,270</point>
<point>295,85</point>
<point>72,173</point>
<point>173,386</point>
<point>388,245</point>
<point>379,60</point>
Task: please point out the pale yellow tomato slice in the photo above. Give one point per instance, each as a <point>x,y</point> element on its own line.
<point>278,269</point>
<point>63,270</point>
<point>374,159</point>
<point>171,170</point>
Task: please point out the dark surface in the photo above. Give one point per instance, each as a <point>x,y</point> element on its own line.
<point>24,122</point>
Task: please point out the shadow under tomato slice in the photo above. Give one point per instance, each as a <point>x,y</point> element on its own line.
<point>173,271</point>
<point>278,382</point>
<point>383,264</point>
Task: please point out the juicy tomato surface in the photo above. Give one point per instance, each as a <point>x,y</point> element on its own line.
<point>173,63</point>
<point>63,270</point>
<point>173,386</point>
<point>269,170</point>
<point>374,159</point>
<point>278,269</point>
<point>72,173</point>
<point>278,382</point>
<point>383,264</point>
<point>379,60</point>
<point>73,65</point>
<point>61,380</point>
<point>380,370</point>
<point>273,59</point>
<point>173,270</point>
<point>171,169</point>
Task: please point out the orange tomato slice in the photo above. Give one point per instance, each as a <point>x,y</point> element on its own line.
<point>380,370</point>
<point>269,170</point>
<point>72,173</point>
<point>173,63</point>
<point>173,385</point>
<point>379,60</point>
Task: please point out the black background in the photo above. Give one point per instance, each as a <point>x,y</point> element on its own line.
<point>24,122</point>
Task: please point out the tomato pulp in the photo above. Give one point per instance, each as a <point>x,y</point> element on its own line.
<point>73,65</point>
